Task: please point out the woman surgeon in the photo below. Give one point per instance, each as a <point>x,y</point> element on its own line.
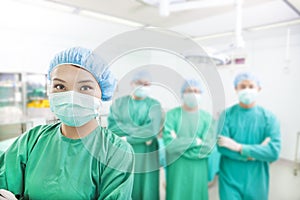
<point>75,158</point>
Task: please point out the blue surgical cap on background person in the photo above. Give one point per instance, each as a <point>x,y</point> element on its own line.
<point>191,83</point>
<point>246,76</point>
<point>142,75</point>
<point>86,59</point>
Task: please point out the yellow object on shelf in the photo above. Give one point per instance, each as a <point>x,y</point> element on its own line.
<point>44,103</point>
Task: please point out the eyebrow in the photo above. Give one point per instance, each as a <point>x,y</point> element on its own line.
<point>86,81</point>
<point>57,79</point>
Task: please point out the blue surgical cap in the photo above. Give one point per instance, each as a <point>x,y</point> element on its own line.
<point>142,75</point>
<point>245,76</point>
<point>191,83</point>
<point>86,59</point>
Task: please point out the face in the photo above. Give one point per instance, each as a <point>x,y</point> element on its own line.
<point>192,90</point>
<point>247,84</point>
<point>141,83</point>
<point>71,78</point>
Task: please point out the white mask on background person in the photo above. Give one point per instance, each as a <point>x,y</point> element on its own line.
<point>141,91</point>
<point>192,100</point>
<point>73,108</point>
<point>247,96</point>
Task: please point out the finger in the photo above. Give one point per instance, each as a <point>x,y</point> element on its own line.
<point>221,140</point>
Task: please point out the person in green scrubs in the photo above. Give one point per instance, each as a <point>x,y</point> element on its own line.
<point>249,141</point>
<point>137,118</point>
<point>74,158</point>
<point>186,136</point>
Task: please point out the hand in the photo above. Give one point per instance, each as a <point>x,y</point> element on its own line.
<point>173,134</point>
<point>266,141</point>
<point>149,142</point>
<point>229,144</point>
<point>198,141</point>
<point>6,195</point>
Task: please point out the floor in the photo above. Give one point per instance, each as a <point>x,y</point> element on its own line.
<point>284,185</point>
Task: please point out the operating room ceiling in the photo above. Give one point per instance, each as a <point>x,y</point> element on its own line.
<point>195,22</point>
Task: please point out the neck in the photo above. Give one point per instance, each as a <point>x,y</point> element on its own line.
<point>186,108</point>
<point>247,106</point>
<point>138,98</point>
<point>79,132</point>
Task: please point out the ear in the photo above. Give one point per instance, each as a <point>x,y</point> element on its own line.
<point>236,89</point>
<point>259,89</point>
<point>132,84</point>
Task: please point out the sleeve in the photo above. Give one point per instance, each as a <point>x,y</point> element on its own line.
<point>136,134</point>
<point>117,177</point>
<point>209,138</point>
<point>223,129</point>
<point>114,120</point>
<point>269,152</point>
<point>177,146</point>
<point>13,161</point>
<point>12,165</point>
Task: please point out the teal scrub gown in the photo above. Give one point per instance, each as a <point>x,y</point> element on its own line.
<point>187,164</point>
<point>140,121</point>
<point>213,164</point>
<point>44,164</point>
<point>245,175</point>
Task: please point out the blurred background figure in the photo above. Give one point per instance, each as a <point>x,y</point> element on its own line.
<point>249,141</point>
<point>137,118</point>
<point>185,132</point>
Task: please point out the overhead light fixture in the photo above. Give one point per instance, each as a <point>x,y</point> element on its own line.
<point>257,28</point>
<point>117,20</point>
<point>168,6</point>
<point>275,25</point>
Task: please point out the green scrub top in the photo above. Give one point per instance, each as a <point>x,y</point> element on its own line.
<point>140,121</point>
<point>44,164</point>
<point>187,170</point>
<point>245,175</point>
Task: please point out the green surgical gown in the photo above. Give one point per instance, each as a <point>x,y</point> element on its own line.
<point>140,121</point>
<point>245,175</point>
<point>44,164</point>
<point>187,170</point>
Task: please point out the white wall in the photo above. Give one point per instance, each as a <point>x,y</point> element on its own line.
<point>266,57</point>
<point>31,35</point>
<point>167,71</point>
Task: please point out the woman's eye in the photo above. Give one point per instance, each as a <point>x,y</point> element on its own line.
<point>59,87</point>
<point>85,88</point>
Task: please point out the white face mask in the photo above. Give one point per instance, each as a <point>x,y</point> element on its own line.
<point>73,108</point>
<point>247,96</point>
<point>192,100</point>
<point>141,91</point>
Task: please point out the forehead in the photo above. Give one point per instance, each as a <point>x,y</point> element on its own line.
<point>71,72</point>
<point>247,82</point>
